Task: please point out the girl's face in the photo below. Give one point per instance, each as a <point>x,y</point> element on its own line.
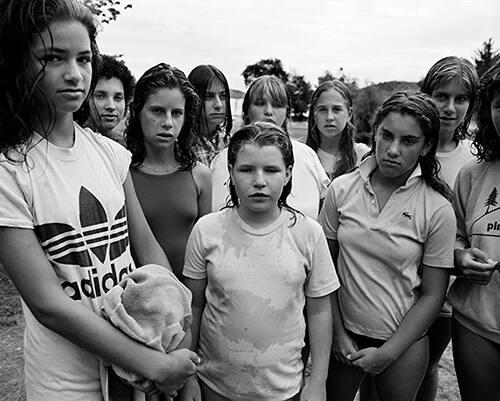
<point>264,109</point>
<point>331,113</point>
<point>161,118</point>
<point>259,175</point>
<point>452,101</point>
<point>68,69</point>
<point>399,144</point>
<point>495,111</point>
<point>107,103</point>
<point>215,105</point>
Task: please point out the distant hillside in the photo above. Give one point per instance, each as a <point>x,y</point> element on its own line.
<point>366,100</point>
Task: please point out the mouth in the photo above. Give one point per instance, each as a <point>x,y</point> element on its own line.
<point>390,163</point>
<point>219,115</point>
<point>165,135</point>
<point>329,126</point>
<point>259,195</point>
<point>269,120</point>
<point>109,116</point>
<point>71,91</point>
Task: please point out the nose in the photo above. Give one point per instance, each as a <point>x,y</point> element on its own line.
<point>110,103</point>
<point>450,105</point>
<point>393,150</point>
<point>218,102</point>
<point>72,72</point>
<point>268,109</point>
<point>167,121</point>
<point>329,116</point>
<point>259,179</point>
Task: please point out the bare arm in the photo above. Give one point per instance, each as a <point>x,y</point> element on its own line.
<point>144,245</point>
<point>192,391</point>
<point>413,326</point>
<point>203,180</point>
<point>36,281</point>
<point>319,323</point>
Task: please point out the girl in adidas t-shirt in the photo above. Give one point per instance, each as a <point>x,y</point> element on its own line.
<point>69,215</point>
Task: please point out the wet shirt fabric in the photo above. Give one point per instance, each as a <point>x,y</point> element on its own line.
<point>477,188</point>
<point>381,252</point>
<point>252,328</point>
<point>74,201</point>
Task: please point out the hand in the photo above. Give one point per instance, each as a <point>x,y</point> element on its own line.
<point>313,392</point>
<point>371,360</point>
<point>343,344</point>
<point>475,265</point>
<point>178,366</point>
<point>191,390</point>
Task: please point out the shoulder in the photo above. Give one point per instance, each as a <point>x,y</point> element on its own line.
<point>361,149</point>
<point>302,148</point>
<point>202,176</point>
<point>304,224</point>
<point>219,161</point>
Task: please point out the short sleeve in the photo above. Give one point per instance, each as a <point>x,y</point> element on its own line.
<point>439,245</point>
<point>328,216</point>
<point>462,192</point>
<point>14,197</point>
<point>321,176</point>
<point>195,265</point>
<point>323,278</point>
<point>220,180</point>
<point>121,156</point>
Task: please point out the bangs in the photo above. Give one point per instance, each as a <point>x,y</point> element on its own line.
<point>270,89</point>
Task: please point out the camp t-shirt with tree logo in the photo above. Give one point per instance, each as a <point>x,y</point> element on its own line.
<point>74,201</point>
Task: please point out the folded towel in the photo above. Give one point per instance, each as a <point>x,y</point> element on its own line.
<point>151,306</point>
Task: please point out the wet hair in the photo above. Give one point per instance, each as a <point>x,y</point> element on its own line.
<point>109,67</point>
<point>201,77</point>
<point>347,154</point>
<point>419,106</point>
<point>487,139</point>
<point>267,86</point>
<point>21,22</point>
<point>159,77</point>
<point>446,70</point>
<point>261,134</point>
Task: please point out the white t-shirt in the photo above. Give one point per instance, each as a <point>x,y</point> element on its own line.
<point>452,162</point>
<point>74,201</point>
<point>309,180</point>
<point>252,329</point>
<point>329,161</point>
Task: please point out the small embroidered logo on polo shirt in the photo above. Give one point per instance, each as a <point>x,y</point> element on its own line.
<point>407,215</point>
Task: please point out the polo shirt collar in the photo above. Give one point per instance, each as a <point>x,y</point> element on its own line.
<point>367,166</point>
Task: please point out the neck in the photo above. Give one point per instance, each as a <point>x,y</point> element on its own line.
<point>258,220</point>
<point>62,133</point>
<point>389,182</point>
<point>160,160</point>
<point>446,142</point>
<point>330,144</point>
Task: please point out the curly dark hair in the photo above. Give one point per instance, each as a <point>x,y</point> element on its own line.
<point>158,77</point>
<point>201,77</point>
<point>109,67</point>
<point>487,139</point>
<point>420,106</point>
<point>267,85</point>
<point>21,22</point>
<point>261,134</point>
<point>348,155</point>
<point>447,69</point>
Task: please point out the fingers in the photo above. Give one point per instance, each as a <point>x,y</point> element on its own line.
<point>479,255</point>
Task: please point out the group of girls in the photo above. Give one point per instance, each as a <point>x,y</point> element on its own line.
<point>79,212</point>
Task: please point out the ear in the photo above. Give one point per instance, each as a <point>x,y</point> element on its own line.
<point>351,113</point>
<point>288,174</point>
<point>426,148</point>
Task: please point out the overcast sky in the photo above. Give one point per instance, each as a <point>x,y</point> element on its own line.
<point>374,41</point>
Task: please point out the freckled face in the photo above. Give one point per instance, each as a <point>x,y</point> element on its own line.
<point>107,104</point>
<point>162,117</point>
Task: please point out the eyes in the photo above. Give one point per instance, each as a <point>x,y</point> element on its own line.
<point>335,109</point>
<point>212,96</point>
<point>262,102</point>
<point>251,169</point>
<point>55,58</point>
<point>99,95</point>
<point>159,111</point>
<point>444,97</point>
<point>408,140</point>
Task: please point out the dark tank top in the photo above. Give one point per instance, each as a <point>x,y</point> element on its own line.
<point>170,203</point>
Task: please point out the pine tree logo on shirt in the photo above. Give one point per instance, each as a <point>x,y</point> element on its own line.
<point>492,225</point>
<point>66,245</point>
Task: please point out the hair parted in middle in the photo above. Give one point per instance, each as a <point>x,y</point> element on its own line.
<point>159,77</point>
<point>201,77</point>
<point>261,134</point>
<point>347,154</point>
<point>267,86</point>
<point>419,106</point>
<point>444,71</point>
